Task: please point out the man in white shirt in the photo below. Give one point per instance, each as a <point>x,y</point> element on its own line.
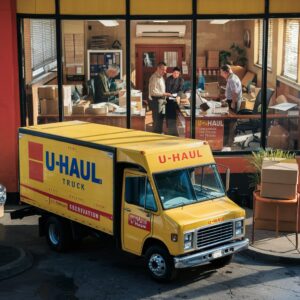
<point>234,96</point>
<point>157,96</point>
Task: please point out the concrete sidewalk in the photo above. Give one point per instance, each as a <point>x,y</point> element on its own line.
<point>267,247</point>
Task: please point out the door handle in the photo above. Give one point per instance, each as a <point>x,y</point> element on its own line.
<point>127,209</point>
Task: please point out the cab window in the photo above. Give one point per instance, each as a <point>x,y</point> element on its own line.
<point>138,192</point>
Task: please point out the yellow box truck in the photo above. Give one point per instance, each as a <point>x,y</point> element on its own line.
<point>159,196</point>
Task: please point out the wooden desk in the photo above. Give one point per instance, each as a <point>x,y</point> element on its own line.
<point>277,203</point>
<point>211,127</point>
<point>137,122</point>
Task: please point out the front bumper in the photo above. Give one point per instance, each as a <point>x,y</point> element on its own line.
<point>200,258</point>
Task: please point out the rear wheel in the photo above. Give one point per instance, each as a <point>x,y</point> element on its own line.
<point>160,264</point>
<point>222,261</point>
<point>58,234</point>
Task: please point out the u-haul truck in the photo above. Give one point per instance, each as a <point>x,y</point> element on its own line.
<point>159,196</point>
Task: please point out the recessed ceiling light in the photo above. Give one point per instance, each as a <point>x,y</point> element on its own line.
<point>109,23</point>
<point>160,21</point>
<point>219,22</point>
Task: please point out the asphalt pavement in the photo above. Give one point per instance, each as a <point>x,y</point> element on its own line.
<point>15,260</point>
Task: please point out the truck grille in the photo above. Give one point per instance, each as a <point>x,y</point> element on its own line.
<point>213,235</point>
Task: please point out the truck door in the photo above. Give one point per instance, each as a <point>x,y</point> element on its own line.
<point>138,203</point>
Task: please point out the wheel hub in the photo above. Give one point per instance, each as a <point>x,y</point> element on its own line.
<point>157,265</point>
<point>53,234</point>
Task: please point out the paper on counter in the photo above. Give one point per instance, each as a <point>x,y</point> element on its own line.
<point>283,106</point>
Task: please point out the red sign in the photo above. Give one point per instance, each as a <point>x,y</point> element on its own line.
<point>139,222</point>
<point>209,130</point>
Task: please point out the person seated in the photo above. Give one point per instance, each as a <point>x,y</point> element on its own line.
<point>105,91</point>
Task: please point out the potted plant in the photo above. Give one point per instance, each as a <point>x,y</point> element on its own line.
<point>239,55</point>
<point>224,56</point>
<point>256,161</point>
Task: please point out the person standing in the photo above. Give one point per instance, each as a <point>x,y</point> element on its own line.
<point>157,96</point>
<point>174,85</point>
<point>234,96</point>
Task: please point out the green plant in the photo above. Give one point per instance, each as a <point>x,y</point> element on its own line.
<point>256,161</point>
<point>239,55</point>
<point>224,55</point>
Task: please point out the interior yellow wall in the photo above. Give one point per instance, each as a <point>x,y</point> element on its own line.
<point>161,7</point>
<point>218,37</point>
<point>230,7</point>
<point>92,7</point>
<point>36,6</point>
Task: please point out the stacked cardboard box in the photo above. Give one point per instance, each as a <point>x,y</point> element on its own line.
<point>74,53</point>
<point>48,96</point>
<point>213,59</point>
<point>79,53</point>
<point>81,107</point>
<point>69,53</point>
<point>279,178</point>
<point>201,62</point>
<point>136,100</point>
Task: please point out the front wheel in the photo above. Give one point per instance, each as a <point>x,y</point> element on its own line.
<point>160,264</point>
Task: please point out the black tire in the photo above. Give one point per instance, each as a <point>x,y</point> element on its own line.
<point>222,261</point>
<point>58,234</point>
<point>160,264</point>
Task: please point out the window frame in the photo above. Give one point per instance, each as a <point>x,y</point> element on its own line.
<point>259,46</point>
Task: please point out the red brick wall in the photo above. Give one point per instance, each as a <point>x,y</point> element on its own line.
<point>9,96</point>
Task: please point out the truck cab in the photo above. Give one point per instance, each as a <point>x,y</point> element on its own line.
<point>180,218</point>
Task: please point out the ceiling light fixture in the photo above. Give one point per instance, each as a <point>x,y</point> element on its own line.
<point>109,23</point>
<point>219,22</point>
<point>160,21</point>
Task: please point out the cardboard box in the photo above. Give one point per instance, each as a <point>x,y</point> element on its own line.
<point>80,108</point>
<point>278,137</point>
<point>213,63</point>
<point>201,62</point>
<point>49,106</point>
<point>279,178</point>
<point>213,54</point>
<point>212,89</point>
<point>136,100</point>
<point>279,191</point>
<point>47,92</point>
<point>280,171</point>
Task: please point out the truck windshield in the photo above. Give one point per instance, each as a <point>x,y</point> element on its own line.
<point>188,186</point>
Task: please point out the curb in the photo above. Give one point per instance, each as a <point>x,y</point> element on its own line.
<point>258,254</point>
<point>17,266</point>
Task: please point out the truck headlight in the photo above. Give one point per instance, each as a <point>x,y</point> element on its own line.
<point>188,240</point>
<point>239,227</point>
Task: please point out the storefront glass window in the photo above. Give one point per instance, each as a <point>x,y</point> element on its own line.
<point>228,111</point>
<point>284,84</point>
<point>94,87</point>
<point>154,42</point>
<point>39,65</point>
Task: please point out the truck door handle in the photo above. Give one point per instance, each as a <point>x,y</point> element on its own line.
<point>127,209</point>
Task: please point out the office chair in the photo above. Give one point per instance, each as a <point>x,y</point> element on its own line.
<point>252,125</point>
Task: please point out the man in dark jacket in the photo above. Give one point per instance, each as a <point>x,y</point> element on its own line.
<point>102,85</point>
<point>174,85</point>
